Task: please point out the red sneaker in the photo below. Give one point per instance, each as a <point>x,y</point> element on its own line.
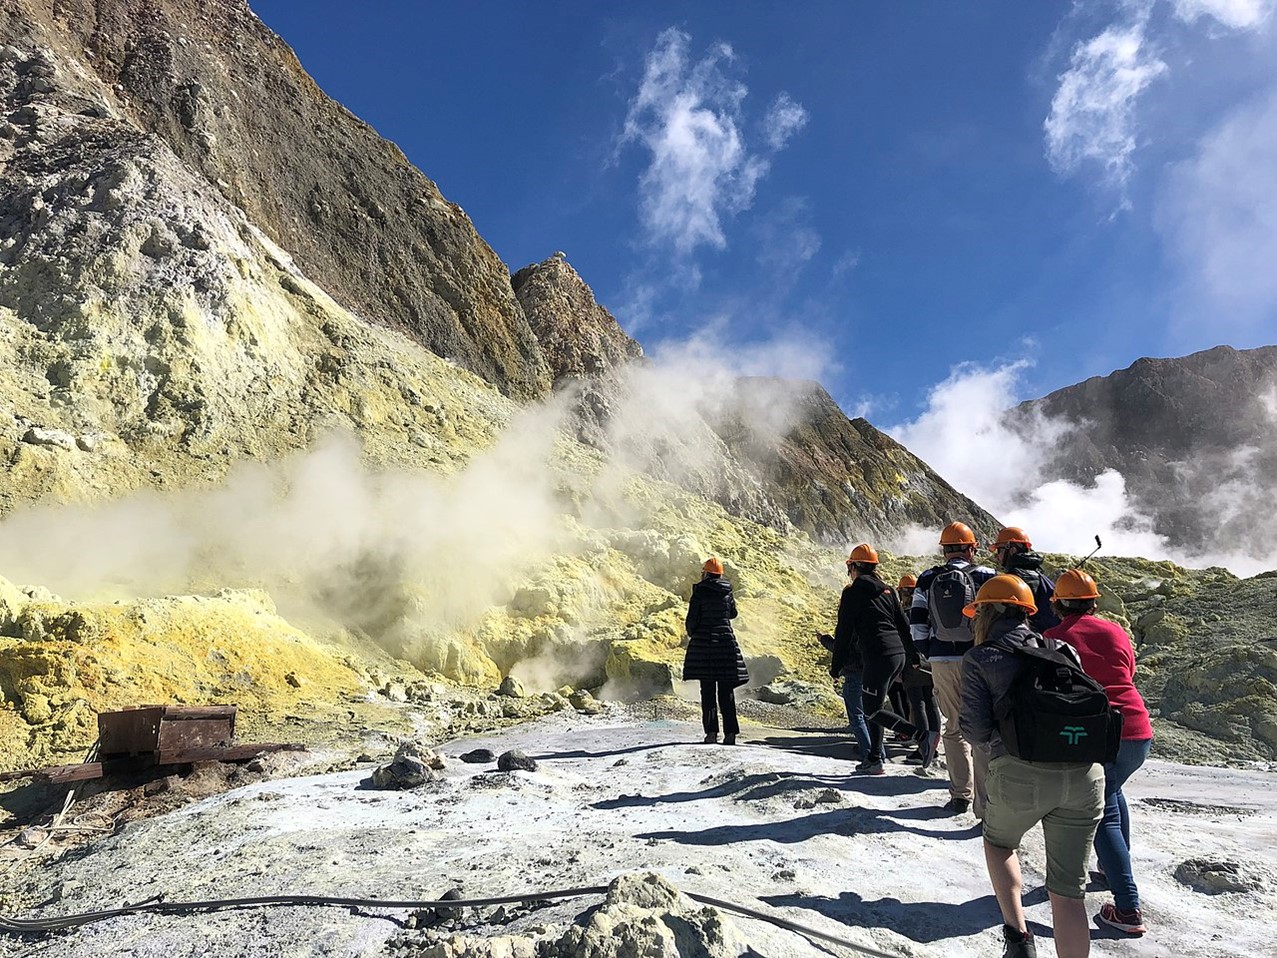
<point>1131,922</point>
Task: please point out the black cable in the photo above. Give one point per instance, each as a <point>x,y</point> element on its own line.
<point>26,926</point>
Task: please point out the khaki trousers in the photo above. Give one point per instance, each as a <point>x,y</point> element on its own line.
<point>947,677</point>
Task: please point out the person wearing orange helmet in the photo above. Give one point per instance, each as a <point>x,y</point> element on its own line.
<point>1109,658</point>
<point>873,630</point>
<point>1013,552</point>
<point>919,689</point>
<point>942,635</point>
<point>1025,789</point>
<point>713,657</point>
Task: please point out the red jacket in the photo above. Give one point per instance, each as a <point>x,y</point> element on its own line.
<point>1107,656</point>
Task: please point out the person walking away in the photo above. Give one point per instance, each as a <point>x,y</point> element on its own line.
<point>918,686</point>
<point>1108,657</point>
<point>1013,553</point>
<point>942,635</point>
<point>1045,726</point>
<point>871,622</point>
<point>852,683</point>
<point>713,657</point>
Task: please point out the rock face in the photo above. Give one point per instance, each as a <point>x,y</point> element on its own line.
<point>1195,437</point>
<point>774,451</point>
<point>228,97</point>
<point>580,339</point>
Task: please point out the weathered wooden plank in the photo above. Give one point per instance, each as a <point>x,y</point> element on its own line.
<point>226,753</point>
<point>193,734</point>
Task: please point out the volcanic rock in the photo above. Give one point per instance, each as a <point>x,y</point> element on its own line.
<point>516,761</point>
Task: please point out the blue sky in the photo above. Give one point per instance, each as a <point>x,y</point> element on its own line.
<point>871,194</point>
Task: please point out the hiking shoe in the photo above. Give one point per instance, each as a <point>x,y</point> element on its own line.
<point>1018,944</point>
<point>958,806</point>
<point>871,768</point>
<point>711,739</point>
<point>1131,922</point>
<point>729,739</point>
<point>915,759</point>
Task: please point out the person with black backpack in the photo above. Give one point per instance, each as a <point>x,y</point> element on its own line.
<point>872,629</point>
<point>942,635</point>
<point>1014,554</point>
<point>1047,729</point>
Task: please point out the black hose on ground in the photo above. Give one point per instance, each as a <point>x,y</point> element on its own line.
<point>29,926</point>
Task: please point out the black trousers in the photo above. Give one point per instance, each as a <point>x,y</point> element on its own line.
<point>716,697</point>
<point>922,708</point>
<point>879,673</point>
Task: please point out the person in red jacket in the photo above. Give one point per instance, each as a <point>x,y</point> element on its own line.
<point>1108,657</point>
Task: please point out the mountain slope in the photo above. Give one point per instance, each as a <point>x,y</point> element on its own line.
<point>1195,438</point>
<point>231,101</point>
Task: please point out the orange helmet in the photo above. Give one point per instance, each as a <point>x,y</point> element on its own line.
<point>713,564</point>
<point>957,534</point>
<point>1012,534</point>
<point>908,581</point>
<point>1075,584</point>
<point>1007,589</point>
<point>863,553</point>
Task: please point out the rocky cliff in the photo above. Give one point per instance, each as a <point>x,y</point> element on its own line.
<point>1195,438</point>
<point>230,101</point>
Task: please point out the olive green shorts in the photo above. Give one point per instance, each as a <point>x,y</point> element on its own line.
<point>1067,799</point>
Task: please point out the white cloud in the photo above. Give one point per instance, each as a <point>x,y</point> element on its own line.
<point>785,118</point>
<point>787,241</point>
<point>845,263</point>
<point>689,116</point>
<point>1236,14</point>
<point>1092,113</point>
<point>1217,213</point>
<point>963,436</point>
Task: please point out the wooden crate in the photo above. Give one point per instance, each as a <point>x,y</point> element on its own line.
<point>164,732</point>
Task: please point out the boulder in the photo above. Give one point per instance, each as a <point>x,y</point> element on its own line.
<point>584,702</point>
<point>646,915</point>
<point>1215,877</point>
<point>511,687</point>
<point>479,756</point>
<point>516,761</point>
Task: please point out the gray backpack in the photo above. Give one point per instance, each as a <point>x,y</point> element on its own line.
<point>952,590</point>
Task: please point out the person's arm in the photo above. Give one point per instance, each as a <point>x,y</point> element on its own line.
<point>920,617</point>
<point>844,634</point>
<point>976,718</point>
<point>693,613</point>
<point>731,605</point>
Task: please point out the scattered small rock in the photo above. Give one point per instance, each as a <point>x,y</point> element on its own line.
<point>479,756</point>
<point>516,760</point>
<point>395,691</point>
<point>157,787</point>
<point>56,438</point>
<point>785,874</point>
<point>32,837</point>
<point>295,680</point>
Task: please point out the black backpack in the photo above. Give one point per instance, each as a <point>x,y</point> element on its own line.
<point>951,590</point>
<point>1055,712</point>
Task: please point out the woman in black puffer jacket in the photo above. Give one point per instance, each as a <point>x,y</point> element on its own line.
<point>713,657</point>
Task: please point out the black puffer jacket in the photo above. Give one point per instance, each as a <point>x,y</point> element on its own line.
<point>712,652</point>
<point>871,625</point>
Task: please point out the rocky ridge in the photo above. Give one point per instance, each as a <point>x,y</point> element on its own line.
<point>1194,438</point>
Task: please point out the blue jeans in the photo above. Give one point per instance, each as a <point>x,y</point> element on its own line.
<point>852,686</point>
<point>1113,838</point>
